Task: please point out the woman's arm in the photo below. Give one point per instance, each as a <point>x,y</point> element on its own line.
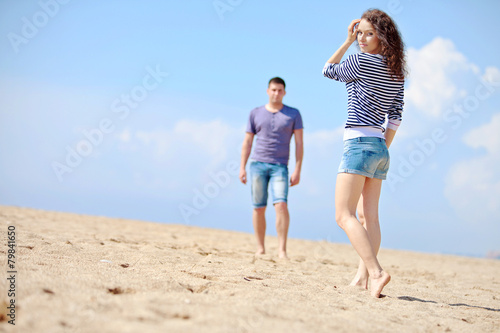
<point>389,136</point>
<point>352,32</point>
<point>395,115</point>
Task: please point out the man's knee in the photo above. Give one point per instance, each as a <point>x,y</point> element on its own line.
<point>260,210</point>
<point>281,207</point>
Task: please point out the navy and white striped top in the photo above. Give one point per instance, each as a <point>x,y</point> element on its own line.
<point>372,93</point>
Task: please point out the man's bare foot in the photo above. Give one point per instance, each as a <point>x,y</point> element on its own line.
<point>377,284</point>
<point>260,252</point>
<point>359,282</point>
<point>282,255</point>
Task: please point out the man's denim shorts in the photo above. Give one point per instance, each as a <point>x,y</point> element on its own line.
<point>365,156</point>
<point>265,174</point>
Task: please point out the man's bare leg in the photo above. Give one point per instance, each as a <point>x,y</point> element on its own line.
<point>282,224</point>
<point>259,226</point>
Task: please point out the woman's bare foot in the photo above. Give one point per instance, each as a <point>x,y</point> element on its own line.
<point>361,282</point>
<point>378,283</point>
<point>361,277</point>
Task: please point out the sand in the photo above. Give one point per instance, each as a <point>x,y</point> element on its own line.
<point>78,273</point>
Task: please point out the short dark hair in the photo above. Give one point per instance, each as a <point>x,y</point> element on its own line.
<point>277,80</point>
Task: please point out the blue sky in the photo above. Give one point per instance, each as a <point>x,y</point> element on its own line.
<point>137,110</point>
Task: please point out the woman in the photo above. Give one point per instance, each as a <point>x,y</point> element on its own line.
<point>375,85</point>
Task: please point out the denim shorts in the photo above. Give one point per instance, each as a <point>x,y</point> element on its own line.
<point>365,156</point>
<point>265,174</point>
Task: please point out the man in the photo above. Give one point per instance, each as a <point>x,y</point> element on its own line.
<point>273,124</point>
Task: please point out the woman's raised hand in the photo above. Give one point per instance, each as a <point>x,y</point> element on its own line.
<point>352,31</point>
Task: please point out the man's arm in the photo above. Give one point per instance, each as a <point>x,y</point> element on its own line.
<point>245,154</point>
<point>299,154</point>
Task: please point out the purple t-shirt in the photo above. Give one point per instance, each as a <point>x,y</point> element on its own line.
<point>274,132</point>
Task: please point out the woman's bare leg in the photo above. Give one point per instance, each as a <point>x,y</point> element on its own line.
<point>361,277</point>
<point>347,193</point>
<point>367,210</point>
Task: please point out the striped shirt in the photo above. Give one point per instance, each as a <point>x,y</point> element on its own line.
<point>372,93</point>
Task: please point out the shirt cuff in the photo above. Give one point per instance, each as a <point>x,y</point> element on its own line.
<point>393,124</point>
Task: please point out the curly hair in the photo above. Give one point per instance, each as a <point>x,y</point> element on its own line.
<point>392,46</point>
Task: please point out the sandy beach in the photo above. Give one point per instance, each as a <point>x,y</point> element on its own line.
<point>78,273</point>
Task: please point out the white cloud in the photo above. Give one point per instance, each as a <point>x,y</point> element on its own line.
<point>157,140</point>
<point>431,81</point>
<point>486,136</point>
<point>492,75</point>
<point>322,142</point>
<point>190,148</point>
<point>473,186</point>
<point>322,151</point>
<point>124,135</point>
<point>214,137</point>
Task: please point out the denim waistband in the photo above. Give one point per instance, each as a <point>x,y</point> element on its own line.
<point>366,139</point>
<point>274,163</point>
